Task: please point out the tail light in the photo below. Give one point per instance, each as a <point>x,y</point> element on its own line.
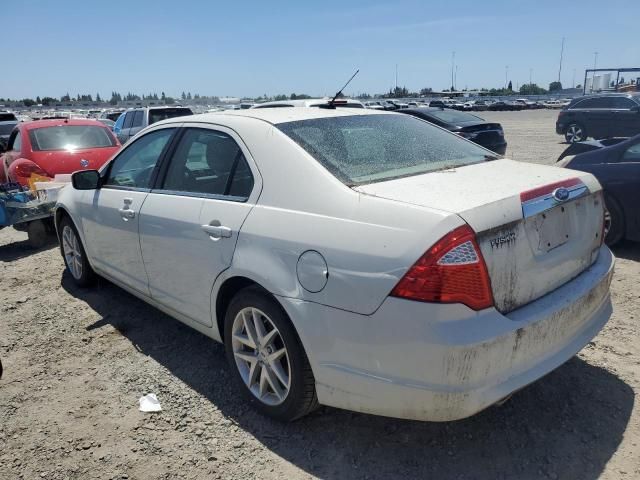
<point>451,271</point>
<point>26,169</point>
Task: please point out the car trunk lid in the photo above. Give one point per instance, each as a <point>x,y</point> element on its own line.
<point>531,241</point>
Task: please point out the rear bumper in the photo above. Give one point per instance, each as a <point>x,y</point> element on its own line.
<point>445,362</point>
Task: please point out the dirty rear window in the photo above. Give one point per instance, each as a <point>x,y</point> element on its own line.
<point>363,149</point>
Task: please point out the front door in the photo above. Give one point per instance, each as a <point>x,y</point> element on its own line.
<point>189,225</point>
<point>111,213</point>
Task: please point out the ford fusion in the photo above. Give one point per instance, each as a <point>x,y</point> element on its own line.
<point>365,260</point>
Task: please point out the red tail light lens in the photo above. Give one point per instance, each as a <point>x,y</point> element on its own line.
<point>26,169</point>
<point>451,271</point>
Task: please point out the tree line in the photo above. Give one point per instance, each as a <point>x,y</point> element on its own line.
<point>186,97</point>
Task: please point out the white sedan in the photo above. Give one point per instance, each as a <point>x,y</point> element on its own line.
<point>360,259</point>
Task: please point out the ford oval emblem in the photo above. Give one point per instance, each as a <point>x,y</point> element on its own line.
<point>561,194</point>
<point>84,163</point>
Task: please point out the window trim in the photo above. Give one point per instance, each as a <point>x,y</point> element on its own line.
<point>104,174</point>
<point>166,160</point>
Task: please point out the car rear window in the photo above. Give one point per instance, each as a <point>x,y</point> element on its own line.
<point>362,149</point>
<point>7,117</point>
<point>155,115</point>
<point>70,137</point>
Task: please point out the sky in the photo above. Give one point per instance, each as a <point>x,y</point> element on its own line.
<point>242,48</point>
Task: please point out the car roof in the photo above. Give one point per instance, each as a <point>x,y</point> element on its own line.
<point>304,102</point>
<point>275,116</point>
<point>60,122</point>
<point>609,94</point>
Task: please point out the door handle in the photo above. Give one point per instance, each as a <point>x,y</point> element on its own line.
<point>217,231</point>
<point>127,214</point>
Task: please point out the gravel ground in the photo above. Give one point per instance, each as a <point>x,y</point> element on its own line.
<point>76,361</point>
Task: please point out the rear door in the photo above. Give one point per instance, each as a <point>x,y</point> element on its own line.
<point>111,213</point>
<point>626,120</point>
<point>190,222</point>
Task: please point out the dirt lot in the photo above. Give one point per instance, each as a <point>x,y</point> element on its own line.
<point>76,361</point>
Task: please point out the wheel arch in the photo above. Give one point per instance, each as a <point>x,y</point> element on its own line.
<point>225,294</point>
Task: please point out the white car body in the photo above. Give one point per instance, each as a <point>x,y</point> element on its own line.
<point>369,351</point>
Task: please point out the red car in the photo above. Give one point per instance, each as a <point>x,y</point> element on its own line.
<point>50,147</point>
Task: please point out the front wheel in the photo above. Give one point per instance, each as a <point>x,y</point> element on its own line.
<point>75,257</point>
<point>267,357</point>
<point>575,133</point>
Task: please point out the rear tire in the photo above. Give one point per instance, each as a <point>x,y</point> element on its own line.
<point>615,220</point>
<point>74,255</point>
<point>575,133</point>
<point>267,358</point>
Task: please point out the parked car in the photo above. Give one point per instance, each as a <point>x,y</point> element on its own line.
<point>617,168</point>
<point>600,116</point>
<point>111,114</point>
<point>312,102</point>
<point>471,127</point>
<point>50,147</point>
<point>8,122</point>
<point>135,119</point>
<point>355,258</point>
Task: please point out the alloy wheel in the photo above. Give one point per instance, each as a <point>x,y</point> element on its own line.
<point>574,134</point>
<point>261,356</point>
<point>72,253</point>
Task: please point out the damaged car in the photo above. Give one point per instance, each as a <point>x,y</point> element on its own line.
<point>358,259</point>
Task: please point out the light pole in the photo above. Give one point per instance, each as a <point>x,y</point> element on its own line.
<point>530,75</point>
<point>561,54</point>
<point>453,62</point>
<point>595,60</point>
<point>506,75</point>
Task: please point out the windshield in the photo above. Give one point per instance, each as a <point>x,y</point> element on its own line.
<point>70,137</point>
<point>372,148</point>
<point>453,116</point>
<point>164,113</point>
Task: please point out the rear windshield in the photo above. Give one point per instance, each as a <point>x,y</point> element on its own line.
<point>453,116</point>
<point>364,149</point>
<point>156,115</point>
<point>7,117</point>
<point>6,127</point>
<point>70,137</point>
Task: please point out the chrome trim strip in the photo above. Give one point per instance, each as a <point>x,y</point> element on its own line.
<point>538,205</point>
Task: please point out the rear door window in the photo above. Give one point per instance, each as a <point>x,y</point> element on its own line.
<point>137,119</point>
<point>128,120</point>
<point>622,103</point>
<point>598,102</point>
<point>209,162</point>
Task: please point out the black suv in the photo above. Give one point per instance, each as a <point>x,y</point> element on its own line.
<point>600,116</point>
<point>8,121</point>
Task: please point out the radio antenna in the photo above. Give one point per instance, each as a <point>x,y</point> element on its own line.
<point>332,101</point>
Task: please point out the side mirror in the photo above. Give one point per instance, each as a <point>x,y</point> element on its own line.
<point>85,180</point>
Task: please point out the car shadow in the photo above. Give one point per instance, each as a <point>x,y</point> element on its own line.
<point>628,250</point>
<point>567,425</point>
<point>21,249</point>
